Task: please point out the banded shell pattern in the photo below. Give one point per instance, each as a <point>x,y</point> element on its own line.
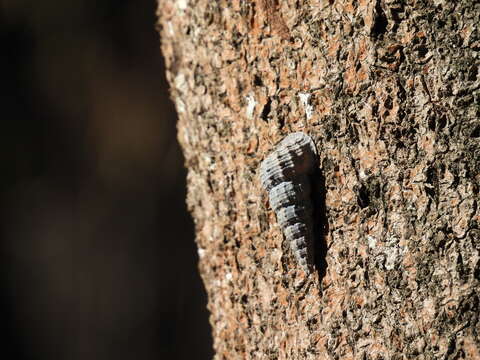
<point>284,174</point>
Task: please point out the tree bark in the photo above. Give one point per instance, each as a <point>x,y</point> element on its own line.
<point>389,91</point>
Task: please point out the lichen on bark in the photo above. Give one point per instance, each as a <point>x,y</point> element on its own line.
<point>389,90</point>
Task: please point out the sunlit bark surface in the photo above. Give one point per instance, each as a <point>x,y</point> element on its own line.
<point>389,91</point>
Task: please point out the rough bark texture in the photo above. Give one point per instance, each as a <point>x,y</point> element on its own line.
<point>389,91</point>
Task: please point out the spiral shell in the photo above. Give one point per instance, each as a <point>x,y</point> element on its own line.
<point>284,174</point>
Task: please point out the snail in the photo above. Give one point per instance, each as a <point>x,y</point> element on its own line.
<point>285,175</point>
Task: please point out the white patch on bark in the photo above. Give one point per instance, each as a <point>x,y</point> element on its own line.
<point>393,253</point>
<point>170,28</point>
<point>305,100</point>
<point>182,4</point>
<point>392,258</point>
<point>362,175</point>
<point>180,105</point>
<point>181,83</point>
<point>250,105</point>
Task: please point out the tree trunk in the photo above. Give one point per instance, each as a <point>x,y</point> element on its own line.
<point>389,92</point>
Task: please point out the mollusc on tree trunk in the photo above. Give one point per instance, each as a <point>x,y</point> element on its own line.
<point>389,93</point>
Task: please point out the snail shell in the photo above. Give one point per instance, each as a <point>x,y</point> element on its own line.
<point>285,175</point>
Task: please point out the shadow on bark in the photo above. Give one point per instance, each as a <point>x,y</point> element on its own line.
<point>320,226</point>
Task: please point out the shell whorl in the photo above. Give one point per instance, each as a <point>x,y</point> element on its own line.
<point>294,157</point>
<point>284,174</point>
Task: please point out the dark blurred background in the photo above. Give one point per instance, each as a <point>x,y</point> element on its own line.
<point>98,259</point>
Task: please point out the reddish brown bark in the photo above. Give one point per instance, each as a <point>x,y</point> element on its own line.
<point>389,91</point>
